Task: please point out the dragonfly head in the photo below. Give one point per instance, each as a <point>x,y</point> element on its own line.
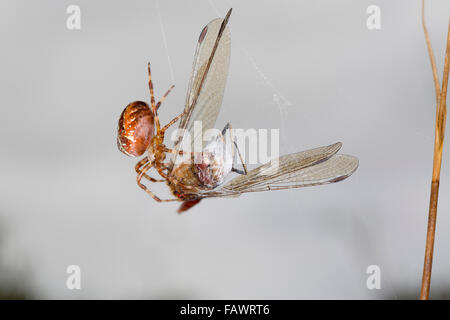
<point>136,129</point>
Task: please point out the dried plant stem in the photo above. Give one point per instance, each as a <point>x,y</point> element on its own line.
<point>431,55</point>
<point>441,115</point>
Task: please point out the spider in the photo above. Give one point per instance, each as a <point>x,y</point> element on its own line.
<point>136,135</point>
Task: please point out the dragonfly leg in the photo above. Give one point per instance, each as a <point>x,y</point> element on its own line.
<point>242,161</point>
<point>145,168</point>
<point>237,171</point>
<point>138,170</point>
<point>224,130</point>
<point>235,146</point>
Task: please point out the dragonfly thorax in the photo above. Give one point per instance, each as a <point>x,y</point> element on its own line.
<point>214,163</point>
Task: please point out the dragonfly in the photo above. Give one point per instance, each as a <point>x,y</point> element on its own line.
<point>192,176</point>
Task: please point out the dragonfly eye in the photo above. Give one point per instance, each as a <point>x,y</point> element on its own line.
<point>136,129</point>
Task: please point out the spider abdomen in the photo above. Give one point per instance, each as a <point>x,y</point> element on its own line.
<point>136,129</point>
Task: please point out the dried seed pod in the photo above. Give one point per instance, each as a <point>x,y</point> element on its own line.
<point>136,129</point>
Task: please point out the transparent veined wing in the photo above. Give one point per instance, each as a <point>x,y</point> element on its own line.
<point>306,168</point>
<point>207,83</point>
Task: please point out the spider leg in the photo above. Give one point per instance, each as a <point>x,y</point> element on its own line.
<point>164,97</point>
<point>160,171</point>
<point>178,183</point>
<point>179,152</point>
<point>173,151</point>
<point>139,178</point>
<point>172,122</point>
<point>170,178</point>
<point>152,99</point>
<point>150,86</point>
<point>138,170</point>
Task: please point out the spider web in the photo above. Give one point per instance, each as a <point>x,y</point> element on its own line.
<point>281,102</point>
<point>163,33</point>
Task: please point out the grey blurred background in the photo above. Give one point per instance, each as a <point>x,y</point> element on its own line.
<point>310,68</point>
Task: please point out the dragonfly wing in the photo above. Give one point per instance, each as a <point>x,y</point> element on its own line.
<point>207,83</point>
<point>307,168</point>
<point>335,169</point>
